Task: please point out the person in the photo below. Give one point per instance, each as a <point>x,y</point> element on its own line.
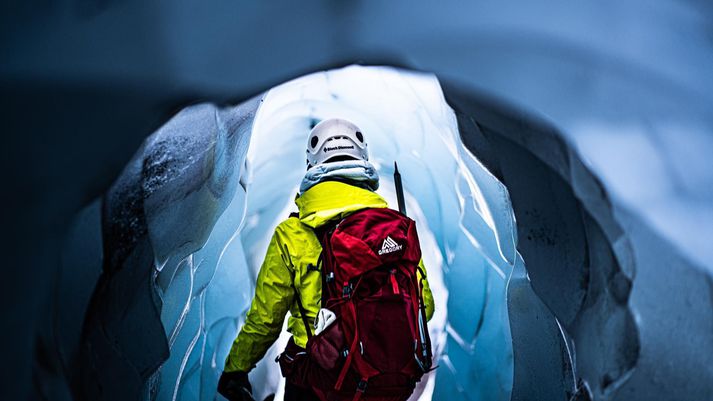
<point>339,181</point>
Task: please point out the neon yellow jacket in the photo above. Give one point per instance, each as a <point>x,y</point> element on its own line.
<point>292,249</point>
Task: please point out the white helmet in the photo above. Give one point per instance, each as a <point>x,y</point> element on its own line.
<point>335,137</point>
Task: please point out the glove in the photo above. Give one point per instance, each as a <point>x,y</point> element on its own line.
<point>235,386</point>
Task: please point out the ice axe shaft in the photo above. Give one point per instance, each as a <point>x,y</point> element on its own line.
<point>399,190</point>
<point>421,306</point>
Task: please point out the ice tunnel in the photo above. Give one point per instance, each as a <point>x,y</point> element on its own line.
<point>186,225</point>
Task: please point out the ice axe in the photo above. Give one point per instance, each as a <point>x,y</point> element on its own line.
<point>399,190</point>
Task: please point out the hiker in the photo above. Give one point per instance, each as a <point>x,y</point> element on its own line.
<point>359,307</point>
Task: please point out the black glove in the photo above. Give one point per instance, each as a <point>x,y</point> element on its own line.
<point>235,386</point>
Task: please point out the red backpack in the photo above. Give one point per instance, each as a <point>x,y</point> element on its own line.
<point>378,347</point>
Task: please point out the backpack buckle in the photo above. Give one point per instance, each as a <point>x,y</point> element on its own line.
<point>347,290</point>
<point>361,387</point>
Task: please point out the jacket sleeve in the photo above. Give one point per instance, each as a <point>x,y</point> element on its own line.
<point>273,298</point>
<point>427,295</point>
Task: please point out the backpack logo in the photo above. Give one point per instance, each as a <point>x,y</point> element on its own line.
<point>389,246</point>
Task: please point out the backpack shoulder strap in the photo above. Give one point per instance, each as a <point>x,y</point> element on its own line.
<point>298,297</point>
<point>303,312</point>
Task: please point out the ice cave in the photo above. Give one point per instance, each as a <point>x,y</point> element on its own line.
<point>186,225</point>
<point>556,160</point>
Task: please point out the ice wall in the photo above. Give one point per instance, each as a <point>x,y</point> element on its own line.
<point>620,291</point>
<point>153,322</point>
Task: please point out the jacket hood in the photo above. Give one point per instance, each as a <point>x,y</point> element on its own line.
<point>333,199</point>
